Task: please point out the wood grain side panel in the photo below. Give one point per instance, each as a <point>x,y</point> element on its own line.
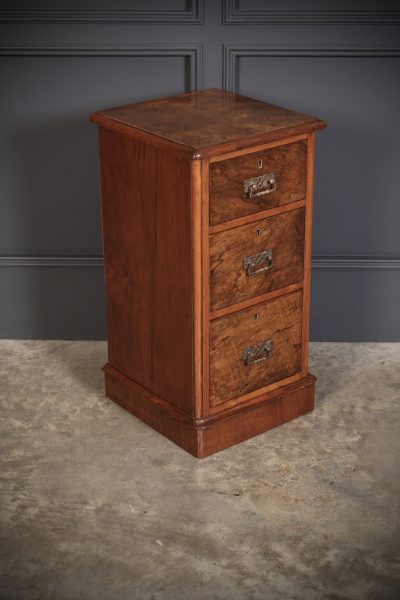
<point>227,198</point>
<point>282,234</point>
<point>128,254</point>
<point>172,376</point>
<point>146,210</point>
<point>278,320</point>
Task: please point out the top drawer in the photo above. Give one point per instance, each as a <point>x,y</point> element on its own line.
<point>232,195</point>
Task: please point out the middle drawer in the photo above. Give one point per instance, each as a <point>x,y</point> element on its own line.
<point>256,258</point>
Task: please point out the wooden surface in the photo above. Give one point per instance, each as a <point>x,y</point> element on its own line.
<point>154,411</point>
<point>307,254</point>
<point>283,234</point>
<point>271,212</point>
<point>197,232</point>
<point>209,121</point>
<point>204,437</point>
<point>181,309</point>
<point>227,197</point>
<point>279,320</point>
<point>273,409</point>
<point>227,310</point>
<point>257,148</point>
<point>205,250</point>
<point>147,234</point>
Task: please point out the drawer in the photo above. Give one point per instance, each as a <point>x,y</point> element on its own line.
<point>256,258</point>
<point>231,197</point>
<point>255,347</point>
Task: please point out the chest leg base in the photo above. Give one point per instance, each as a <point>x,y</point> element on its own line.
<point>203,438</point>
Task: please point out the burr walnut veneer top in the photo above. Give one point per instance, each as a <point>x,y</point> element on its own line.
<point>208,121</point>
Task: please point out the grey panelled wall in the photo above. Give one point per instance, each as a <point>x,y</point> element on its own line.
<point>61,60</point>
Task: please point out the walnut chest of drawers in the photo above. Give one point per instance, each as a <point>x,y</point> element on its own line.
<point>207,211</point>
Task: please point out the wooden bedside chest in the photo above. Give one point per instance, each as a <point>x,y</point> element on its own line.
<point>207,210</point>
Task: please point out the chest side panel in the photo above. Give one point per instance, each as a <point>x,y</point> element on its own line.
<point>146,211</point>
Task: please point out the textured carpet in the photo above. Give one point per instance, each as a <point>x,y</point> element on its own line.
<point>95,505</point>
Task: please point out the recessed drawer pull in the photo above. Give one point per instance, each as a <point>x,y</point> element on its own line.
<point>258,186</point>
<point>258,263</point>
<point>257,353</point>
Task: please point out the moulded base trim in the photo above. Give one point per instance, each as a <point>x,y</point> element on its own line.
<point>205,437</point>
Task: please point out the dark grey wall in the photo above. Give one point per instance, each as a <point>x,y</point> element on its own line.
<point>61,60</point>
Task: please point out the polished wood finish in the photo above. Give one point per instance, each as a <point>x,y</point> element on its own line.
<point>148,265</point>
<point>180,310</point>
<point>208,122</point>
<point>144,136</point>
<point>227,198</point>
<point>153,410</point>
<point>258,148</point>
<point>271,212</point>
<point>197,231</point>
<point>205,250</point>
<point>282,234</point>
<point>227,310</point>
<point>276,408</point>
<point>207,436</point>
<point>278,320</point>
<point>307,253</point>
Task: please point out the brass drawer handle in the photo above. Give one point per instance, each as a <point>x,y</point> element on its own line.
<point>258,263</point>
<point>257,353</point>
<point>258,186</point>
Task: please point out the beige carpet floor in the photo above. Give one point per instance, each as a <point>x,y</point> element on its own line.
<point>95,505</point>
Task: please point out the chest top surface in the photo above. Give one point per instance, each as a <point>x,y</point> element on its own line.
<point>210,118</point>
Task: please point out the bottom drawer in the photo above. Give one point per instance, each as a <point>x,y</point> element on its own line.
<point>255,347</point>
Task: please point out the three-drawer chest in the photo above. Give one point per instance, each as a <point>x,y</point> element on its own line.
<point>207,214</point>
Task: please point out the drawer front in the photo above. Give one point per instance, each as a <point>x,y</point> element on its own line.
<point>255,347</point>
<point>258,181</point>
<point>253,259</point>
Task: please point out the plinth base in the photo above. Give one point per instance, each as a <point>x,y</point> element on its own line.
<point>205,437</point>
